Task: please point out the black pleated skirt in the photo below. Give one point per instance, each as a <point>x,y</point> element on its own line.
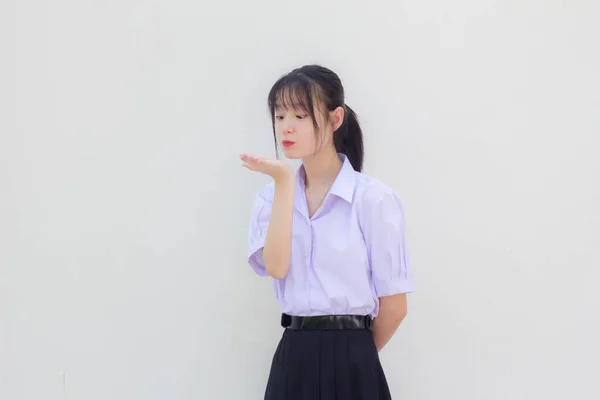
<point>327,365</point>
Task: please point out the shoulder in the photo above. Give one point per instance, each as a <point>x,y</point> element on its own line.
<point>266,193</point>
<point>261,207</point>
<point>371,192</point>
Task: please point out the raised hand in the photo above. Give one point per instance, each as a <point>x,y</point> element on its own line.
<point>274,168</point>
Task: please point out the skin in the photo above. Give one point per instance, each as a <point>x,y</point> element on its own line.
<point>322,166</point>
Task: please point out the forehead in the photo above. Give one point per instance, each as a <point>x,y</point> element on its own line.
<point>297,98</point>
<point>284,108</point>
<point>292,97</point>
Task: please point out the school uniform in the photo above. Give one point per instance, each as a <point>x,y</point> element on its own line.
<point>348,254</point>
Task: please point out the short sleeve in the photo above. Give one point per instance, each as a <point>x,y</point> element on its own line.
<point>259,222</point>
<point>385,236</point>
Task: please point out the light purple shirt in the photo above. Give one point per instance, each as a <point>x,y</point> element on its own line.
<point>351,252</point>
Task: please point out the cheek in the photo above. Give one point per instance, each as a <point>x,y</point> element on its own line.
<point>307,138</point>
<point>319,141</point>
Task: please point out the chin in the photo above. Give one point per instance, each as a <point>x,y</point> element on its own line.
<point>292,154</point>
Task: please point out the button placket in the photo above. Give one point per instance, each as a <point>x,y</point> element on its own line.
<point>307,253</point>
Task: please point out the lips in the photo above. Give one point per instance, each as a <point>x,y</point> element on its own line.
<point>287,143</point>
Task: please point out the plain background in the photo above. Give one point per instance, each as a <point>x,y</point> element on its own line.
<point>124,209</point>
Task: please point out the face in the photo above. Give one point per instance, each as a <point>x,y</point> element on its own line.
<point>295,132</point>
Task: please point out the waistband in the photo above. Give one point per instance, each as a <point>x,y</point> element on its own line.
<point>327,322</point>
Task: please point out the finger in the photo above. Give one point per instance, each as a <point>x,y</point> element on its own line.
<point>248,166</point>
<point>250,159</point>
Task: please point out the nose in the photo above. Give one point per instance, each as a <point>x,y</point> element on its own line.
<point>287,129</point>
<point>288,126</point>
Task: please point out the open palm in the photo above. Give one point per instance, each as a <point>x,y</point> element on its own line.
<point>273,168</point>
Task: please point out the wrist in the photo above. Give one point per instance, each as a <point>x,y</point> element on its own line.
<point>284,178</point>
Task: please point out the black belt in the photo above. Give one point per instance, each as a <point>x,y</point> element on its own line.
<point>327,322</point>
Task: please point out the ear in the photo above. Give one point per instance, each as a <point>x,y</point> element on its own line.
<point>337,118</point>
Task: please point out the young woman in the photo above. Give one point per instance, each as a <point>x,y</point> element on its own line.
<point>333,241</point>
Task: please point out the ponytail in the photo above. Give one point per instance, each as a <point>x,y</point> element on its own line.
<point>348,139</point>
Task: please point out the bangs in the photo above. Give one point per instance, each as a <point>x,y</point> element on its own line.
<point>293,93</point>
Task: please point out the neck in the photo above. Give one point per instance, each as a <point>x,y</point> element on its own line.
<point>322,168</point>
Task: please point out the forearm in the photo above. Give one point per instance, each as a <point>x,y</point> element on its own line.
<point>392,310</point>
<point>278,242</point>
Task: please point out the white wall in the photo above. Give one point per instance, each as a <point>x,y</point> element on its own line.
<point>124,209</point>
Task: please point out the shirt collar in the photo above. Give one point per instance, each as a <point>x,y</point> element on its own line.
<point>343,185</point>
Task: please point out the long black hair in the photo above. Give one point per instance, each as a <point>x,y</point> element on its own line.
<point>314,85</point>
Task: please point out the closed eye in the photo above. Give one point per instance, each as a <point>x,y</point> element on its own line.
<point>299,116</point>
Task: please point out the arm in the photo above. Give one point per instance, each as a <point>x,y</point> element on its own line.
<point>278,243</point>
<point>392,310</point>
<point>385,235</point>
<point>270,252</point>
